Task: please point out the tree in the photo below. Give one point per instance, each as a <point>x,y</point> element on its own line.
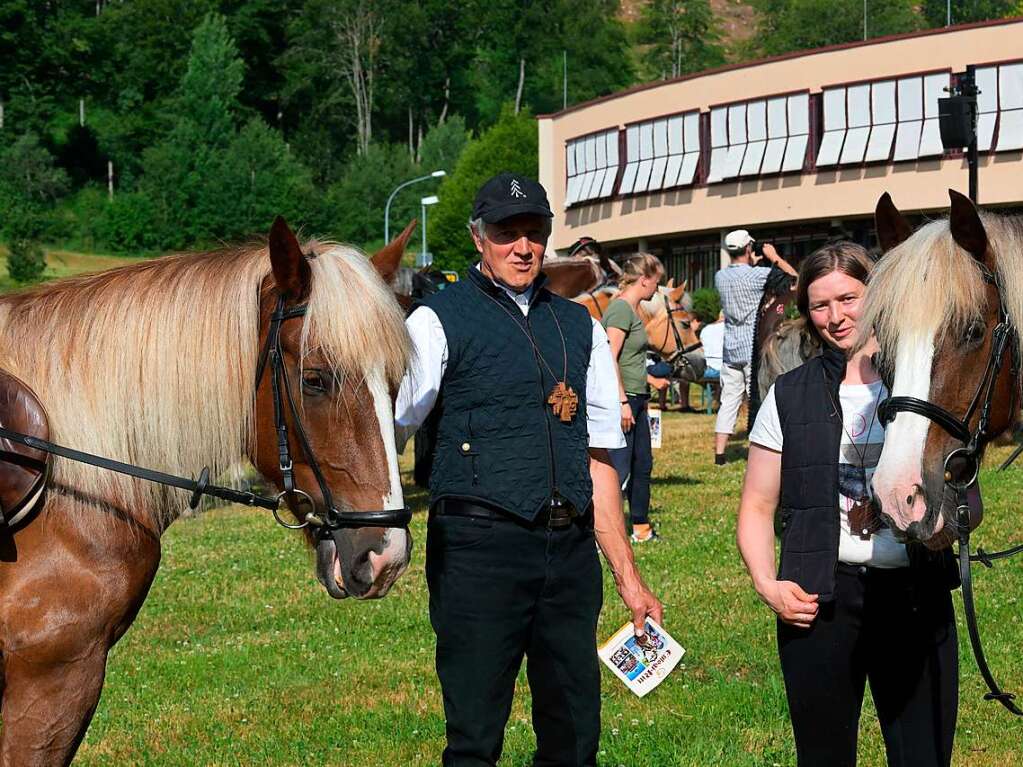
<point>681,36</point>
<point>790,25</point>
<point>29,172</point>
<point>26,260</point>
<point>963,11</point>
<point>510,145</point>
<point>443,145</point>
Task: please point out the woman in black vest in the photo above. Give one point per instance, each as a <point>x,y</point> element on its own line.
<point>853,604</point>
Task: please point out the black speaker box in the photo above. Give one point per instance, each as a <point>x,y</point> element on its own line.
<point>955,121</point>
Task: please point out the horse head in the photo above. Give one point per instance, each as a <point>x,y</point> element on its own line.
<point>343,389</point>
<point>944,302</point>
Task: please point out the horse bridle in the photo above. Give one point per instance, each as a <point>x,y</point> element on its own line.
<point>1003,339</point>
<point>680,348</point>
<point>330,522</point>
<point>333,518</point>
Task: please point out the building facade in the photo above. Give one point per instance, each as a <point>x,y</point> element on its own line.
<point>797,148</point>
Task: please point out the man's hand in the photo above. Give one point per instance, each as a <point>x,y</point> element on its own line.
<point>770,253</point>
<point>640,601</point>
<point>793,605</point>
<point>658,383</point>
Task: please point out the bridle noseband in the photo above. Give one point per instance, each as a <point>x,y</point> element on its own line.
<point>333,518</point>
<point>1002,336</point>
<point>680,348</point>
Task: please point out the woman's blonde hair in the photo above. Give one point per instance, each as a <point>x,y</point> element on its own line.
<point>640,265</point>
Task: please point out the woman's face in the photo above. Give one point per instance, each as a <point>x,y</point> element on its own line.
<point>834,303</point>
<point>648,286</point>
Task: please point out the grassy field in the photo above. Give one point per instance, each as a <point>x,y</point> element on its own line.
<point>64,263</point>
<point>240,658</point>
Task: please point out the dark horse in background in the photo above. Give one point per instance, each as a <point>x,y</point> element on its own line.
<point>155,364</point>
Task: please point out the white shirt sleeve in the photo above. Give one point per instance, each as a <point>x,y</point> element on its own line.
<point>603,409</point>
<point>419,388</point>
<point>766,430</point>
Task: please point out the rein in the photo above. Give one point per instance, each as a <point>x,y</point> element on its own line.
<point>680,348</point>
<point>962,467</point>
<point>273,355</point>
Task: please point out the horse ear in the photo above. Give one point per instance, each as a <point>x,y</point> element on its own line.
<point>892,227</point>
<point>388,258</point>
<point>290,269</point>
<point>677,294</point>
<point>967,228</point>
<point>671,284</point>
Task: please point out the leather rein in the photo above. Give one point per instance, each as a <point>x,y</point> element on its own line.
<point>272,355</point>
<point>962,467</point>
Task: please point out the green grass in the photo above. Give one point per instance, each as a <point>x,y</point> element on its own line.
<point>240,658</point>
<point>64,263</point>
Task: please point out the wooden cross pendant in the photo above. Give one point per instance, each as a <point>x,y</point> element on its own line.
<point>564,402</point>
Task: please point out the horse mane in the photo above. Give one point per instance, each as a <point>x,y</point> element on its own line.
<point>654,306</point>
<point>154,363</point>
<point>930,286</point>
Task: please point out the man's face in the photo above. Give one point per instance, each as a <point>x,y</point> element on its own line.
<point>512,252</point>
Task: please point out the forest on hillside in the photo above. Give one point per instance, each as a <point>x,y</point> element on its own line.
<point>141,126</point>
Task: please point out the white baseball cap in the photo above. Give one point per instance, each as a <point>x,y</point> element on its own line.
<point>737,239</point>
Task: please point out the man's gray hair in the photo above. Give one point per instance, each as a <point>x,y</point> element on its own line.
<point>479,226</point>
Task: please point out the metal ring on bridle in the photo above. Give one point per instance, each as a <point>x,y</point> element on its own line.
<point>965,454</point>
<point>277,516</point>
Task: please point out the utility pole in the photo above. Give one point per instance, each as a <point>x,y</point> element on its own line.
<point>564,79</point>
<point>968,87</point>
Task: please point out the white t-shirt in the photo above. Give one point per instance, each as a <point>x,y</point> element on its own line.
<point>713,339</point>
<point>856,463</point>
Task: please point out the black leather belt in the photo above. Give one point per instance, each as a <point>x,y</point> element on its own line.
<point>553,518</point>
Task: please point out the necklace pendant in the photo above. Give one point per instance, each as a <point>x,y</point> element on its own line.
<point>564,402</point>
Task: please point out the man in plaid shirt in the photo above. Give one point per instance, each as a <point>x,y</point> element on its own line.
<point>741,286</point>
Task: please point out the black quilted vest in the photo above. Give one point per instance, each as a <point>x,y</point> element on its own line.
<point>497,440</point>
<point>811,423</point>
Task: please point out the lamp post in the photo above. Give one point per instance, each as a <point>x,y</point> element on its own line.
<point>423,254</point>
<point>957,122</point>
<point>387,207</point>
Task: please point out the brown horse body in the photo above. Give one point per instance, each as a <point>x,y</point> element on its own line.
<point>569,277</point>
<point>154,364</point>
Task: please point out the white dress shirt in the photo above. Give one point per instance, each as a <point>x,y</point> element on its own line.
<point>421,384</point>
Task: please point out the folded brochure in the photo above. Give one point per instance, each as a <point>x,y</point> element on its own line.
<point>641,662</point>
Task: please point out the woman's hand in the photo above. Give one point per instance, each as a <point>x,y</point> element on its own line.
<point>628,419</point>
<point>793,605</point>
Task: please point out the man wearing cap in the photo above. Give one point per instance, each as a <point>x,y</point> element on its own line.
<point>521,392</point>
<point>740,286</point>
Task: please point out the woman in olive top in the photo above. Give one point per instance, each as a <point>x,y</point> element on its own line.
<point>634,462</point>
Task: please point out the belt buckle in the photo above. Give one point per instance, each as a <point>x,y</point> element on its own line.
<point>559,513</point>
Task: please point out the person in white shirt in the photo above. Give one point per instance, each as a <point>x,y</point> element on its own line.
<point>712,336</point>
<point>521,392</point>
<point>845,589</point>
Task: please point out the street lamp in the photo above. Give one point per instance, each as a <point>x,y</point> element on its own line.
<point>387,208</point>
<point>424,257</point>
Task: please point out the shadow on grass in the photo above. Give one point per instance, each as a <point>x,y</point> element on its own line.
<point>675,479</point>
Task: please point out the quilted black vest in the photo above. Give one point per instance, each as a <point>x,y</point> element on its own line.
<point>497,440</point>
<point>811,423</point>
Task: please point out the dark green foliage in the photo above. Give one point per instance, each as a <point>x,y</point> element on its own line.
<point>790,25</point>
<point>28,170</point>
<point>443,145</point>
<point>963,11</point>
<point>680,36</point>
<point>22,228</point>
<point>510,145</point>
<point>706,304</point>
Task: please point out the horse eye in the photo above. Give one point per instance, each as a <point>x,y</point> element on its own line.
<point>315,381</point>
<point>975,332</point>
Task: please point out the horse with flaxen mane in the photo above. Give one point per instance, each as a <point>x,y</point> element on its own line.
<point>935,300</point>
<point>155,364</point>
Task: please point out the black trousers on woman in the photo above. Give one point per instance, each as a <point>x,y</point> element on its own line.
<point>900,636</point>
<point>635,462</point>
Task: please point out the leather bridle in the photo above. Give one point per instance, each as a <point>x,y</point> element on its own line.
<point>272,354</point>
<point>680,348</point>
<point>962,466</point>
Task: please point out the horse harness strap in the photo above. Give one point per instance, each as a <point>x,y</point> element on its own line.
<point>1003,339</point>
<point>272,355</point>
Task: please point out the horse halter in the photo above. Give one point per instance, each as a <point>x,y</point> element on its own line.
<point>1003,335</point>
<point>680,348</point>
<point>962,465</point>
<point>333,519</point>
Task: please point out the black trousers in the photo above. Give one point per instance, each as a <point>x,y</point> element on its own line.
<point>901,638</point>
<point>635,462</point>
<point>500,590</point>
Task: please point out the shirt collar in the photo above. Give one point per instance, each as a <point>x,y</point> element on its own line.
<point>522,299</point>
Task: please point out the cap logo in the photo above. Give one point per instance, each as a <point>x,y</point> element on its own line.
<point>516,190</point>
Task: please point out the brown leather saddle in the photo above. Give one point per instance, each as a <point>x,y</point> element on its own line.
<point>23,469</point>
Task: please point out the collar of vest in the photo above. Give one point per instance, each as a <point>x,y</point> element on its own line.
<point>495,290</point>
<point>833,363</point>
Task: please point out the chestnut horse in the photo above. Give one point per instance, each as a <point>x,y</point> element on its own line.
<point>154,364</point>
<point>935,300</point>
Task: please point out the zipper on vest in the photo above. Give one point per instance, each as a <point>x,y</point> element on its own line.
<point>543,409</point>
